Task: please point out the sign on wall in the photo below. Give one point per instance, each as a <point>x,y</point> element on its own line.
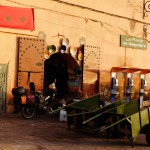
<point>133,42</point>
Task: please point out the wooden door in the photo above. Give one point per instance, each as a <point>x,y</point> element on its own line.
<point>3,86</point>
<point>31,62</point>
<point>91,70</point>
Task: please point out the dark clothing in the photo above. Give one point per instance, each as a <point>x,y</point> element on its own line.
<point>56,69</point>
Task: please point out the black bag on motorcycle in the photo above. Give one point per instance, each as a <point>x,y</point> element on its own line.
<point>18,91</point>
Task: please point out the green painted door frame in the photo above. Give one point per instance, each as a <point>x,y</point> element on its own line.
<point>3,86</point>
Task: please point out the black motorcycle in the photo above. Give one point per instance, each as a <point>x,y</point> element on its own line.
<point>33,102</point>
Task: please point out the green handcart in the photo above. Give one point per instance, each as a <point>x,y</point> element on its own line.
<point>83,110</point>
<point>127,120</point>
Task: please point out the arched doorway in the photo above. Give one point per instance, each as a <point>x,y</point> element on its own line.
<point>58,67</point>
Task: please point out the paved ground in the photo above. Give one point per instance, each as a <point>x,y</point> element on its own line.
<point>48,133</point>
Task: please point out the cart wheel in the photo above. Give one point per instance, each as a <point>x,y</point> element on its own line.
<point>148,134</point>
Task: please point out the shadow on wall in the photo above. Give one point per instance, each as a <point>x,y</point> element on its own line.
<point>91,82</point>
<point>91,88</point>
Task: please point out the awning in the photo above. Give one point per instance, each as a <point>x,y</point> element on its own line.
<point>118,69</point>
<point>130,70</point>
<point>145,71</point>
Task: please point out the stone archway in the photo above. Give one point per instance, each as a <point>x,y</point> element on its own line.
<point>57,68</point>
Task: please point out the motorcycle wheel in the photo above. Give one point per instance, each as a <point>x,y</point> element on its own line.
<point>53,105</point>
<point>28,112</point>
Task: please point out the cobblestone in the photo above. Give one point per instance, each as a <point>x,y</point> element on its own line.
<point>48,133</point>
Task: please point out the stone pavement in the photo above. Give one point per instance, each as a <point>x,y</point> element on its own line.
<point>48,133</point>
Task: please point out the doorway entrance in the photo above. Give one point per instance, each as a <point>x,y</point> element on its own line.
<point>60,68</point>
